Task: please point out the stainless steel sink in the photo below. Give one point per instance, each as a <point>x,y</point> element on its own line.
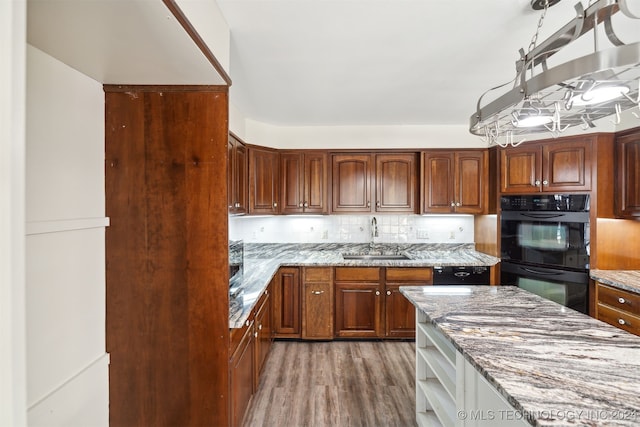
<point>381,257</point>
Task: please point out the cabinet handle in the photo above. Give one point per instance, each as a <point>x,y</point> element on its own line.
<point>306,205</point>
<point>457,203</point>
<point>247,323</point>
<point>377,292</point>
<point>317,292</point>
<point>275,204</point>
<point>622,322</point>
<point>453,203</point>
<point>537,183</point>
<point>378,203</point>
<point>545,182</point>
<point>388,292</point>
<point>237,204</point>
<point>622,300</point>
<point>255,334</point>
<point>260,327</point>
<point>300,204</point>
<point>368,204</point>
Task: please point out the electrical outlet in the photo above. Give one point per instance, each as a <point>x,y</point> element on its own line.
<point>325,234</point>
<point>422,233</point>
<point>452,235</point>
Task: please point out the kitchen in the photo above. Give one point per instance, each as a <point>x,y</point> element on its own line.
<point>68,209</point>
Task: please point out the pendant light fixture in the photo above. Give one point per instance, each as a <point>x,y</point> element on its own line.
<point>578,92</point>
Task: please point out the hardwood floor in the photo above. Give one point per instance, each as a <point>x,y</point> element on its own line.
<point>336,383</point>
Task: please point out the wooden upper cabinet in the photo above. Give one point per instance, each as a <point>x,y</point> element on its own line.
<point>384,182</point>
<point>558,165</point>
<point>396,189</point>
<point>454,181</point>
<point>627,189</point>
<point>264,180</point>
<point>351,178</point>
<point>237,176</point>
<point>304,181</point>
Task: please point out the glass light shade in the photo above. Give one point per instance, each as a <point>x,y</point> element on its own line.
<point>599,94</point>
<point>532,121</point>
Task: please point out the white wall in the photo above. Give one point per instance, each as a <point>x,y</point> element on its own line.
<point>12,240</point>
<point>67,367</point>
<point>353,229</point>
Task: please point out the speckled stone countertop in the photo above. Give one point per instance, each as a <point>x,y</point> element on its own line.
<point>553,364</point>
<point>629,280</point>
<point>261,262</point>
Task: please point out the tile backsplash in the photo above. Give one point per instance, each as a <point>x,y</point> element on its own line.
<point>353,229</point>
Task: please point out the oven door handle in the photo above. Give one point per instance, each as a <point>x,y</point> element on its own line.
<point>542,216</point>
<point>541,273</point>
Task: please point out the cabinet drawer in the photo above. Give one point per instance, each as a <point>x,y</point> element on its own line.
<point>412,274</point>
<point>623,300</point>
<point>237,334</point>
<point>360,274</point>
<point>619,318</point>
<point>317,274</point>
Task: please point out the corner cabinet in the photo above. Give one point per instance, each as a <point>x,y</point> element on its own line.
<point>237,176</point>
<point>559,165</point>
<point>454,181</point>
<point>627,185</point>
<point>264,181</point>
<point>304,182</point>
<point>382,182</point>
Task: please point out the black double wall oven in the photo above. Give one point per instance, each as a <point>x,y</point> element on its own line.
<point>545,246</point>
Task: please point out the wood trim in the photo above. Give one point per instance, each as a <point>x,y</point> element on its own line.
<point>109,88</point>
<point>182,19</point>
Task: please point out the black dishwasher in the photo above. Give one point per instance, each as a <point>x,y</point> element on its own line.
<point>460,275</point>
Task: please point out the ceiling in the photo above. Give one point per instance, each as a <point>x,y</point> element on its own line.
<point>378,62</point>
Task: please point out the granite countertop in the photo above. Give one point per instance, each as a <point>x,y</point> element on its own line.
<point>560,367</point>
<point>261,262</point>
<point>629,280</point>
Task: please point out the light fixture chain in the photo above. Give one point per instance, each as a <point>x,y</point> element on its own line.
<point>534,40</point>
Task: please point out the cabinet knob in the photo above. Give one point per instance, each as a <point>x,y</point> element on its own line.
<point>255,334</point>
<point>388,292</point>
<point>275,204</point>
<point>453,203</point>
<point>377,292</point>
<point>378,204</point>
<point>260,326</point>
<point>537,183</point>
<point>545,182</point>
<point>300,204</point>
<point>457,203</point>
<point>247,323</point>
<point>306,205</point>
<point>622,300</point>
<point>622,322</point>
<point>317,292</point>
<point>368,204</point>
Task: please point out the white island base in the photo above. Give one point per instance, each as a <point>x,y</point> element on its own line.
<point>450,391</point>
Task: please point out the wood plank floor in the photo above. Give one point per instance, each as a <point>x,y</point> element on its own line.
<point>336,383</point>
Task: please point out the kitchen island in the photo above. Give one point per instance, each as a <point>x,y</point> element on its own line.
<point>527,360</point>
<point>262,261</point>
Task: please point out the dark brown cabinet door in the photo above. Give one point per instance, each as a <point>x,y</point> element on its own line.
<point>470,184</point>
<point>521,169</point>
<point>555,166</point>
<point>351,177</point>
<point>567,166</point>
<point>396,188</point>
<point>263,334</point>
<point>454,181</point>
<point>316,181</point>
<point>399,312</point>
<point>358,302</point>
<point>304,180</point>
<point>627,190</point>
<point>317,303</point>
<point>264,181</point>
<point>237,182</point>
<point>241,369</point>
<point>286,303</point>
<point>437,182</point>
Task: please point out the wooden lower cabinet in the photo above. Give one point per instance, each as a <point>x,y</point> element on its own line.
<point>317,303</point>
<point>286,303</point>
<point>241,370</point>
<point>263,335</point>
<point>400,317</point>
<point>618,308</point>
<point>358,302</point>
